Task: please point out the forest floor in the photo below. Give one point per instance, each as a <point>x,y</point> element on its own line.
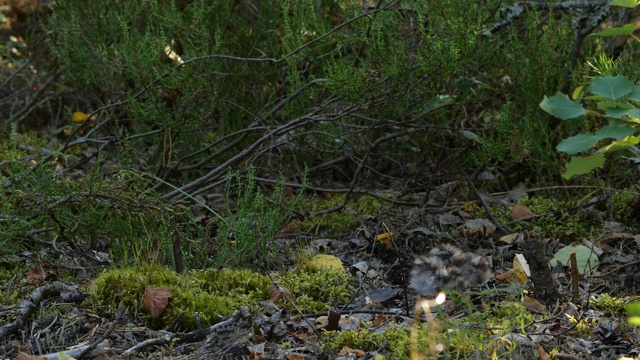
<point>506,317</point>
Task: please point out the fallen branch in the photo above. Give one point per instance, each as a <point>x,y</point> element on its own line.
<point>27,307</point>
<point>167,337</point>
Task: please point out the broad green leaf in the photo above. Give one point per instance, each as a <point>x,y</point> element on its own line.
<point>616,130</point>
<point>624,30</point>
<point>611,87</point>
<point>620,144</point>
<point>587,260</point>
<point>562,107</point>
<point>583,165</point>
<point>604,105</point>
<point>618,113</point>
<point>634,159</point>
<point>578,143</point>
<point>625,3</point>
<point>635,94</point>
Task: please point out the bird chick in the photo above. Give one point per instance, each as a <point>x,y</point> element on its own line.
<point>446,267</point>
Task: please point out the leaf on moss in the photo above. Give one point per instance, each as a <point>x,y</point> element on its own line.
<point>34,276</point>
<point>156,300</point>
<point>520,212</point>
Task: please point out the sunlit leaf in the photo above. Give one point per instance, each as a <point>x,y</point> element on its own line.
<point>625,3</point>
<point>577,92</point>
<point>620,144</point>
<point>623,30</point>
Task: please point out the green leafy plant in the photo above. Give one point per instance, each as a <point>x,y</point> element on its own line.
<point>612,101</point>
<point>616,98</point>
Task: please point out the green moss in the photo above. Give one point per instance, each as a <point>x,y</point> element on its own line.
<point>508,316</point>
<point>609,305</point>
<point>622,203</point>
<point>212,293</point>
<point>397,338</point>
<point>553,225</point>
<point>313,291</point>
<point>230,281</point>
<point>126,286</point>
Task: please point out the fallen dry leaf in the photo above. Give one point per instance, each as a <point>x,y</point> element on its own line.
<point>277,293</point>
<point>347,351</point>
<point>510,239</point>
<point>520,212</point>
<point>479,226</point>
<point>289,228</point>
<point>156,300</point>
<point>34,276</point>
<point>543,354</point>
<point>534,305</point>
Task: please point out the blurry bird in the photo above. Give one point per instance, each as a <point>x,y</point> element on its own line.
<point>446,267</point>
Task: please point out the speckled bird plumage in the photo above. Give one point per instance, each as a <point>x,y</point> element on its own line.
<point>446,267</point>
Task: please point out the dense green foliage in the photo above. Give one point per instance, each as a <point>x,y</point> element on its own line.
<point>409,76</point>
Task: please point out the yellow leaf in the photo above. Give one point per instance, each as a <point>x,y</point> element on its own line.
<point>471,208</point>
<point>79,117</point>
<point>577,92</point>
<point>384,238</point>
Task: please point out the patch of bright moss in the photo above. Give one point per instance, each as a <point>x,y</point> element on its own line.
<point>509,316</point>
<point>212,293</point>
<point>313,291</point>
<point>609,305</point>
<point>339,222</point>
